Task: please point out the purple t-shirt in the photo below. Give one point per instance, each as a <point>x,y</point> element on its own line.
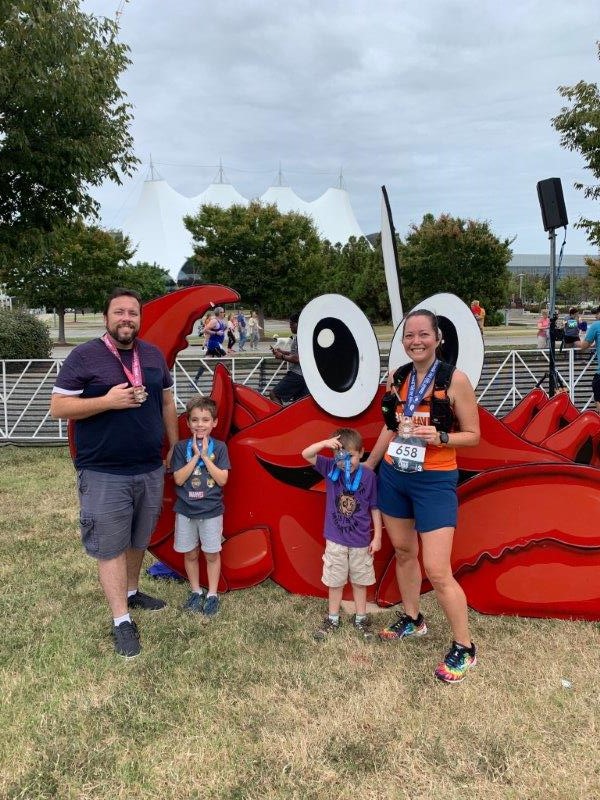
<point>348,514</point>
<point>121,442</point>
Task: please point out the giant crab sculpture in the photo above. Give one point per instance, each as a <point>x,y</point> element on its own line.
<point>527,540</point>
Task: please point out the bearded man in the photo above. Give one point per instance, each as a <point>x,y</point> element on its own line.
<point>117,389</point>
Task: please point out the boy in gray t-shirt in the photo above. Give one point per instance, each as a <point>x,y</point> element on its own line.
<point>200,469</point>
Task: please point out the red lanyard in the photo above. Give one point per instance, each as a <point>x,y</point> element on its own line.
<point>133,375</point>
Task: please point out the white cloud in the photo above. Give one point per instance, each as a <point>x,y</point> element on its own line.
<point>447,103</point>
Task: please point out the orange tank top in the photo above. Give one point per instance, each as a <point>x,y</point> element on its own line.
<point>442,458</point>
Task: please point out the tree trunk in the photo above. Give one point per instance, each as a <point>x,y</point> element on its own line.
<point>61,326</point>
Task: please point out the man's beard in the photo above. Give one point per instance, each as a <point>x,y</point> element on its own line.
<point>123,334</point>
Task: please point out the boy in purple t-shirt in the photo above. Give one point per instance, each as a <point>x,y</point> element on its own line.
<point>350,508</point>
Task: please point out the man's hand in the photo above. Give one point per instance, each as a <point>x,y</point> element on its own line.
<point>122,396</point>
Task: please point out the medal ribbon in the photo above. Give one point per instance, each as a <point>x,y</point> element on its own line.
<point>133,375</point>
<point>350,483</point>
<point>189,452</point>
<point>414,397</point>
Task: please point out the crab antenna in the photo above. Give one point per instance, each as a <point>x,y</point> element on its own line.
<point>390,258</point>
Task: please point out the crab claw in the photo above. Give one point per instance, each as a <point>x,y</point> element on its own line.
<point>555,414</point>
<point>579,440</point>
<point>521,415</point>
<point>167,320</point>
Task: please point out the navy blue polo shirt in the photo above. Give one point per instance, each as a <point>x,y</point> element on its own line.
<point>123,442</point>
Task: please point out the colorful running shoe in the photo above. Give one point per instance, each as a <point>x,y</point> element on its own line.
<point>403,627</point>
<point>458,661</point>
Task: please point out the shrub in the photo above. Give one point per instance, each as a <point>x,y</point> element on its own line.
<point>494,318</point>
<point>23,336</point>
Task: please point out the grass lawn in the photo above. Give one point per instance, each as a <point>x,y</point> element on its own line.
<point>248,705</point>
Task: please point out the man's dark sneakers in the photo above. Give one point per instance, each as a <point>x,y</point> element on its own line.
<point>127,639</point>
<point>145,602</point>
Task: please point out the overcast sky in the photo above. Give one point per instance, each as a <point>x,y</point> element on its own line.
<point>447,103</point>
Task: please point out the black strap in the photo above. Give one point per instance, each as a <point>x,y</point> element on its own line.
<point>443,376</point>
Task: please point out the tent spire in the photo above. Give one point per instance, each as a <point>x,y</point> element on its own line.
<point>153,174</point>
<point>280,177</point>
<point>341,179</point>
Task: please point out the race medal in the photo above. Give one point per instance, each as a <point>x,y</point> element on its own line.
<point>210,483</point>
<point>407,453</point>
<point>406,426</point>
<point>196,482</point>
<point>346,504</point>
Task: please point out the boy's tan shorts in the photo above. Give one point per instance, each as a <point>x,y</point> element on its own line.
<point>341,562</point>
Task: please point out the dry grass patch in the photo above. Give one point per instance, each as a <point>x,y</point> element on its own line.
<point>249,707</point>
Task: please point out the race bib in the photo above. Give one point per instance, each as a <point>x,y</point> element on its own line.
<point>407,453</point>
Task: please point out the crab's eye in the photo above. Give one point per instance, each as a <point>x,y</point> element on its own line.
<point>339,355</point>
<point>462,342</point>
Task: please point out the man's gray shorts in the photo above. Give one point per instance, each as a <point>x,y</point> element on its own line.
<point>118,511</point>
<point>188,532</point>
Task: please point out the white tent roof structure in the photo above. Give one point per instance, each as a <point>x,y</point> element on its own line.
<point>155,225</point>
<point>333,215</point>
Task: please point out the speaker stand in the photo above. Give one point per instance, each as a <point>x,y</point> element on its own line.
<point>554,381</point>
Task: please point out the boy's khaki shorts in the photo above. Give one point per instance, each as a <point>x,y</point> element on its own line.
<point>341,562</point>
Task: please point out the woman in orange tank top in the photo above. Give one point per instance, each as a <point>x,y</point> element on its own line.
<point>417,492</point>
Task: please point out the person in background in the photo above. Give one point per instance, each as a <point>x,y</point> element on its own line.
<point>241,326</point>
<point>478,312</point>
<point>117,389</point>
<point>543,328</point>
<point>214,335</point>
<point>231,328</point>
<point>571,329</point>
<point>254,330</point>
<point>592,338</point>
<point>292,386</point>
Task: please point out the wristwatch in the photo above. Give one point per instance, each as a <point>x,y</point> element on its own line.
<point>444,438</point>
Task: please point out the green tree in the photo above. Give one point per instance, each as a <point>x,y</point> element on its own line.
<point>356,271</point>
<point>579,127</point>
<point>273,260</point>
<point>572,289</point>
<point>449,254</point>
<point>149,280</point>
<point>73,266</point>
<point>64,121</point>
<point>536,288</point>
<point>593,277</point>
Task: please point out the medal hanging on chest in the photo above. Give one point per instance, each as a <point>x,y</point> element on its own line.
<point>196,477</point>
<point>414,397</point>
<point>133,375</point>
<point>346,502</point>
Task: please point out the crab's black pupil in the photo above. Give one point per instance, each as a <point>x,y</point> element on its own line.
<point>449,350</point>
<point>337,364</point>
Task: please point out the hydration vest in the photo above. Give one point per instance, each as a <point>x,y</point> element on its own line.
<point>441,413</point>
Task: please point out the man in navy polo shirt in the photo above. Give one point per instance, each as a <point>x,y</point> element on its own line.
<point>117,389</point>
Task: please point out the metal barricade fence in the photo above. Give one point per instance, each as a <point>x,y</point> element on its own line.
<point>26,386</point>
